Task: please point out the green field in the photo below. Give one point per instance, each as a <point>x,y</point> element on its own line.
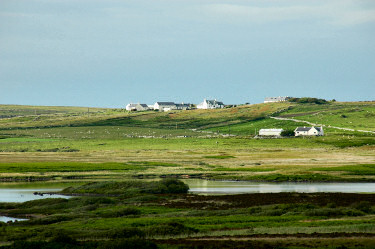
<point>77,145</point>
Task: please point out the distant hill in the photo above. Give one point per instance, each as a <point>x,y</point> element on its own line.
<point>242,120</point>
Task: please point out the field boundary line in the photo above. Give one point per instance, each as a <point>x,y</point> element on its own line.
<point>313,124</point>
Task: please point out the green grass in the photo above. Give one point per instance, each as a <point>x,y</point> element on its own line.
<point>23,110</point>
<point>284,177</point>
<point>245,169</point>
<point>251,128</point>
<point>360,169</point>
<point>220,157</point>
<point>43,167</point>
<point>140,210</point>
<point>359,116</point>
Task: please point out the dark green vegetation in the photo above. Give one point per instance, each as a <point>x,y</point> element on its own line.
<point>308,100</point>
<point>160,214</point>
<point>120,156</point>
<point>131,188</point>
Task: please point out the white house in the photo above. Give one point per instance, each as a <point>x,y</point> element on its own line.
<point>165,106</point>
<point>183,106</point>
<point>276,99</point>
<point>210,104</point>
<point>309,131</point>
<point>270,132</point>
<point>137,107</point>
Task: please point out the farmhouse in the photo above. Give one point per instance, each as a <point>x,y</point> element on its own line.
<point>137,107</point>
<point>165,106</point>
<point>210,104</point>
<point>309,131</point>
<point>276,99</point>
<point>183,106</point>
<point>270,132</point>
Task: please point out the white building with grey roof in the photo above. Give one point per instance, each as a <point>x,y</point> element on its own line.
<point>137,107</point>
<point>309,131</point>
<point>210,104</point>
<point>276,99</point>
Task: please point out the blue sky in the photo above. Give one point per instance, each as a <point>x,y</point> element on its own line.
<point>107,53</point>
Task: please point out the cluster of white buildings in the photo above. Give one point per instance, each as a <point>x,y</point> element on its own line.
<point>215,104</point>
<point>206,104</point>
<point>276,99</point>
<point>299,131</point>
<point>168,106</point>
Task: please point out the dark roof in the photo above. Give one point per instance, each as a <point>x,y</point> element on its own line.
<point>186,105</point>
<point>165,103</point>
<point>214,102</point>
<point>307,128</point>
<point>303,128</point>
<point>144,105</point>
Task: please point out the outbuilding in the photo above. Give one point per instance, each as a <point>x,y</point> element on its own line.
<point>137,107</point>
<point>270,132</point>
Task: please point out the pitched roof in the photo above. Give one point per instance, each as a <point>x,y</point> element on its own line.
<point>214,102</point>
<point>144,105</point>
<point>165,103</point>
<point>303,128</point>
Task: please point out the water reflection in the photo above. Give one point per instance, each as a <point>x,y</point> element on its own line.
<point>26,194</point>
<point>7,219</point>
<point>235,187</point>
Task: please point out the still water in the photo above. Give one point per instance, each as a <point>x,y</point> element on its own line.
<point>22,195</point>
<point>235,187</point>
<point>6,219</point>
<point>11,193</point>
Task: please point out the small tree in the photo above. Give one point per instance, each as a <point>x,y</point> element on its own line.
<point>287,133</point>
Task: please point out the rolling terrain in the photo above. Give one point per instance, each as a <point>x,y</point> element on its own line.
<point>113,160</point>
<point>216,144</point>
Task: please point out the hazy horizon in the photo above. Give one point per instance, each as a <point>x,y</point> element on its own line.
<point>110,53</point>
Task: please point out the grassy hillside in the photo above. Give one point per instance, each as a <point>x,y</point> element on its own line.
<point>356,115</point>
<point>124,152</point>
<point>195,140</point>
<point>24,110</point>
<point>150,119</point>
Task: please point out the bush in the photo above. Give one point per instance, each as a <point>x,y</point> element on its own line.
<point>172,186</point>
<point>325,212</point>
<point>364,206</point>
<point>123,212</point>
<point>308,100</point>
<point>129,189</point>
<point>134,243</point>
<point>287,133</point>
<point>125,232</point>
<point>171,228</point>
<point>63,238</point>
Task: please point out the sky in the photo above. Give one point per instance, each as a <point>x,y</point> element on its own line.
<point>107,53</point>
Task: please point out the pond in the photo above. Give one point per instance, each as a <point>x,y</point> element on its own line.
<point>236,187</point>
<point>22,195</point>
<point>7,219</point>
<point>11,192</point>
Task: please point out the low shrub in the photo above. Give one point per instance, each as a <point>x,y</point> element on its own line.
<point>171,228</point>
<point>122,212</point>
<point>364,206</point>
<point>125,232</point>
<point>133,243</point>
<point>172,186</point>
